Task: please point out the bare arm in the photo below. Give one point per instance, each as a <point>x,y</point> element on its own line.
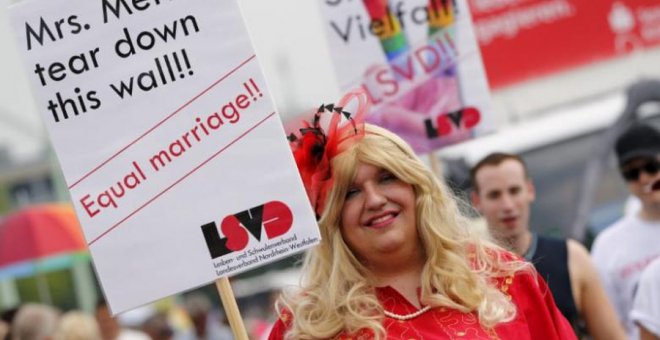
<point>590,297</point>
<point>644,334</point>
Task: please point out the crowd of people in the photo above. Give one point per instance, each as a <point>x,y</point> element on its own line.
<point>195,318</point>
<point>400,260</point>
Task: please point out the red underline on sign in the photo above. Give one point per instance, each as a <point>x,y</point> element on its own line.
<point>181,179</point>
<point>162,121</point>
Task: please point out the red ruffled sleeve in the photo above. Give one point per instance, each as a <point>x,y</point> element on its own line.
<point>537,308</point>
<point>281,326</point>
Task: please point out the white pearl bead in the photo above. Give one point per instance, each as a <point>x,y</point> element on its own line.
<point>407,316</point>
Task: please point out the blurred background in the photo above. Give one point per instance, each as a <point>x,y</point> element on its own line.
<point>565,77</point>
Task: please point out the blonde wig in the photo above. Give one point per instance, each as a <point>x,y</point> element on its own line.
<point>461,266</point>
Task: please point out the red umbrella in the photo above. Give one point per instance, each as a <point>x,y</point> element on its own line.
<point>39,231</point>
<point>38,239</point>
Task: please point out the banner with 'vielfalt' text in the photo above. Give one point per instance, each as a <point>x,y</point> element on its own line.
<point>175,159</point>
<point>419,62</point>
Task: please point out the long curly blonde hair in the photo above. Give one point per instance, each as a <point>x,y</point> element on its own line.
<point>337,294</point>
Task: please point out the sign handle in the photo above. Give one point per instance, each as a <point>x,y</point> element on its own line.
<point>231,308</point>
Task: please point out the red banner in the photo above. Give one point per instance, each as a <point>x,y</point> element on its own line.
<point>523,39</point>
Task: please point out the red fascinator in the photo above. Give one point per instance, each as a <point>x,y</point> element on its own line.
<point>314,147</point>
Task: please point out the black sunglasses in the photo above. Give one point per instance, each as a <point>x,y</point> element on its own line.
<point>650,167</point>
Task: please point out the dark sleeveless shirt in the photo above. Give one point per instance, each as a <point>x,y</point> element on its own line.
<point>550,258</point>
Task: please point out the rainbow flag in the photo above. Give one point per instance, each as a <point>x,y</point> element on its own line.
<point>392,38</point>
<point>441,15</point>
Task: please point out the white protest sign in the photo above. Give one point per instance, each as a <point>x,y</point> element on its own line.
<point>176,161</point>
<point>419,62</point>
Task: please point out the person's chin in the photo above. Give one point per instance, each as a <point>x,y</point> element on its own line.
<point>509,230</point>
<point>655,196</point>
<point>390,245</point>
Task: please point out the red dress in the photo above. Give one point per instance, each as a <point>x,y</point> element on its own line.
<point>537,317</point>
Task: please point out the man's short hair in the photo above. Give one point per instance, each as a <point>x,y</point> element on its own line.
<point>639,140</point>
<point>494,159</point>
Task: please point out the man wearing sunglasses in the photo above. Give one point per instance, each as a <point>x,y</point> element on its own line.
<point>622,251</point>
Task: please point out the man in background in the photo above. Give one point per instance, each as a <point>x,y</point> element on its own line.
<point>503,194</point>
<point>623,250</point>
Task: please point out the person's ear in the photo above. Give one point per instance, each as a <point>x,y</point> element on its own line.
<point>476,200</point>
<point>532,190</point>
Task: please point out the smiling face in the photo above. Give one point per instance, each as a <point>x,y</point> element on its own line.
<point>646,182</point>
<point>378,216</point>
<point>504,197</point>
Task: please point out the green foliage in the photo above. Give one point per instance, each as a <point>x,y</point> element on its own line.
<point>5,203</point>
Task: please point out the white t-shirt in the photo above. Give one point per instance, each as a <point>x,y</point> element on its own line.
<point>646,310</point>
<point>621,252</point>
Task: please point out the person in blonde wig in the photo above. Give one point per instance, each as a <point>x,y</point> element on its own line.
<point>398,259</point>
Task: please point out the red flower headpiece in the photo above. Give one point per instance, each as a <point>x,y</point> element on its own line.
<point>315,147</point>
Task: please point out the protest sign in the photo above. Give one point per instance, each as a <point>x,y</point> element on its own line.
<point>419,62</point>
<point>175,159</point>
<point>574,33</point>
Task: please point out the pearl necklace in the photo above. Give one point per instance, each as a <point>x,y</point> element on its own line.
<point>407,316</point>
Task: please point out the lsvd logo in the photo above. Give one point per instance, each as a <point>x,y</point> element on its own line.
<point>274,217</point>
<point>463,119</point>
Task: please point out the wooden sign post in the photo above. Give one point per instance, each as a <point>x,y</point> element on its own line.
<point>231,308</point>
